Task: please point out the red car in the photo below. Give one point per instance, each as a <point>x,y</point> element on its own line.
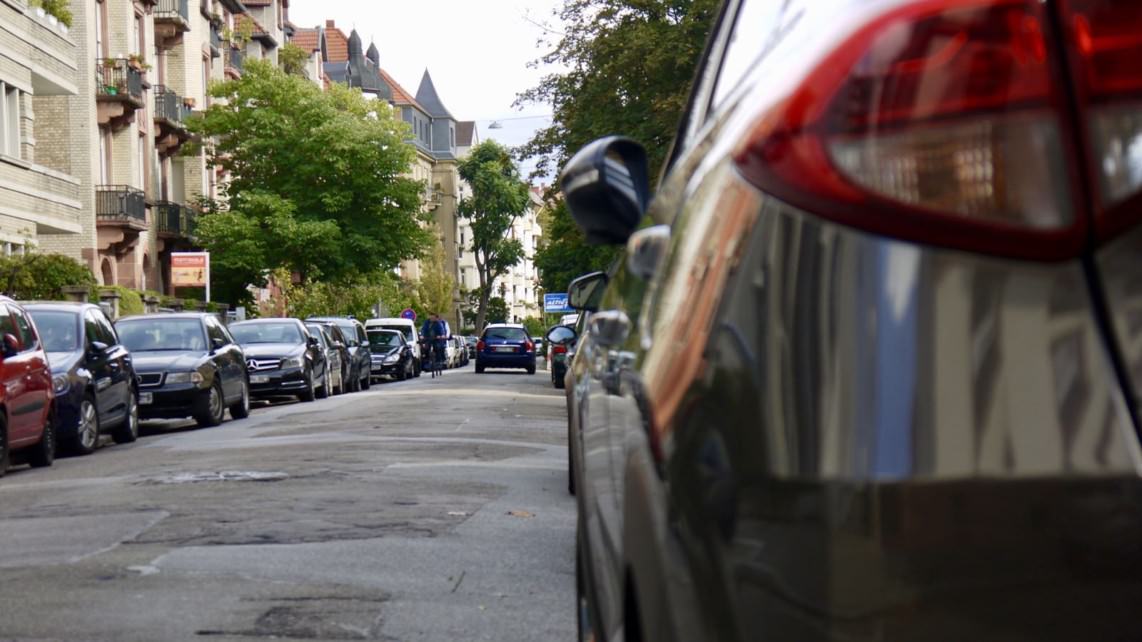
<point>25,390</point>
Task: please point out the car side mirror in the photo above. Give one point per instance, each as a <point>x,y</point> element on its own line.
<point>313,342</point>
<point>217,343</point>
<point>607,187</point>
<point>610,328</point>
<point>583,291</point>
<point>97,347</point>
<point>561,335</point>
<point>11,345</point>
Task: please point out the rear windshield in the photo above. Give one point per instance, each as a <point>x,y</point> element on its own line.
<point>510,334</point>
<point>148,334</point>
<point>58,330</point>
<point>406,330</point>
<point>252,333</point>
<point>383,340</point>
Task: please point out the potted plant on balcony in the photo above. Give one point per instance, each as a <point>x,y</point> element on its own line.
<point>107,78</point>
<point>138,62</point>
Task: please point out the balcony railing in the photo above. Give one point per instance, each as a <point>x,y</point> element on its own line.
<point>116,78</point>
<point>175,219</point>
<point>172,10</point>
<point>234,58</point>
<point>215,40</point>
<point>169,106</point>
<point>121,203</point>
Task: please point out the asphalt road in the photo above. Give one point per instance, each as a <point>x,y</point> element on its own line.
<point>419,510</point>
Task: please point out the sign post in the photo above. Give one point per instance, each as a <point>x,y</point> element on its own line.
<point>191,270</point>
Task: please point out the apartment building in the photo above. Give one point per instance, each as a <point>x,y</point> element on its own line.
<point>39,193</point>
<point>143,69</point>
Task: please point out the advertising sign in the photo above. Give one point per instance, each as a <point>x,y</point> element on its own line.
<point>556,303</point>
<point>191,270</point>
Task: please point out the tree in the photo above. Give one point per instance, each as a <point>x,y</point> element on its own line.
<point>433,292</point>
<point>498,198</point>
<point>293,59</point>
<point>42,276</point>
<point>317,181</point>
<point>627,66</point>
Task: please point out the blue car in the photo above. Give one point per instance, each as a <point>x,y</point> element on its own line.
<point>92,374</point>
<point>505,346</point>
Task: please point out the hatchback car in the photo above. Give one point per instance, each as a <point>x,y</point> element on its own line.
<point>871,360</point>
<point>283,358</point>
<point>392,355</point>
<point>357,345</point>
<point>92,375</point>
<point>505,345</point>
<point>26,398</point>
<point>187,365</point>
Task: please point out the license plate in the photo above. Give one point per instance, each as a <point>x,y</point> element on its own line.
<point>259,379</point>
<point>146,398</point>
<point>505,348</point>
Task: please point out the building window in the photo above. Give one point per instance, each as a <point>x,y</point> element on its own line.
<point>141,163</point>
<point>104,157</point>
<point>100,36</point>
<point>9,120</point>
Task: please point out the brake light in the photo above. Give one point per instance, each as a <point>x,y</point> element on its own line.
<point>528,346</point>
<point>1105,44</point>
<point>937,122</point>
<point>480,345</point>
<point>560,349</point>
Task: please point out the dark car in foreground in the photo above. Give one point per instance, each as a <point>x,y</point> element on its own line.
<point>392,355</point>
<point>187,365</point>
<point>357,346</point>
<point>869,368</point>
<point>92,375</point>
<point>283,358</point>
<point>27,430</point>
<point>505,345</point>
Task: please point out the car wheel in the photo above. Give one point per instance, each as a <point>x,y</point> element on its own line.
<point>416,367</point>
<point>241,410</point>
<point>87,432</point>
<point>323,392</point>
<point>128,431</point>
<point>45,452</point>
<point>403,374</point>
<point>211,407</point>
<point>367,382</point>
<point>531,369</point>
<point>479,368</point>
<point>582,606</point>
<point>309,394</point>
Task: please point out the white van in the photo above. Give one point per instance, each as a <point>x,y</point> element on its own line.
<point>405,327</point>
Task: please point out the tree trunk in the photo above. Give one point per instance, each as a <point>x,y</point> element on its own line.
<point>482,310</point>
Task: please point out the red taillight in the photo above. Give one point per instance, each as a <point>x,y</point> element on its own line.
<point>937,122</point>
<point>560,349</point>
<point>528,346</point>
<point>1105,44</point>
<point>480,345</point>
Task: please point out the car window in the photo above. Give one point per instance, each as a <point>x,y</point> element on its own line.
<point>214,331</point>
<point>150,334</point>
<point>361,336</point>
<point>507,334</point>
<point>384,340</point>
<point>318,332</point>
<point>406,330</point>
<point>752,33</point>
<point>106,330</point>
<point>260,332</point>
<point>25,334</point>
<point>58,329</point>
<point>91,328</point>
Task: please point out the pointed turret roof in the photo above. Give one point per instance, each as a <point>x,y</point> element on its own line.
<point>355,48</point>
<point>426,95</point>
<point>373,54</point>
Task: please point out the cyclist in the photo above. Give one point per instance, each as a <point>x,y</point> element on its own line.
<point>435,331</point>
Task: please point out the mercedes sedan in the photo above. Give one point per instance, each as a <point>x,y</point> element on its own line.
<point>283,358</point>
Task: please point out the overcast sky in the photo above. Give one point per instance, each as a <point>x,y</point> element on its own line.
<point>476,50</point>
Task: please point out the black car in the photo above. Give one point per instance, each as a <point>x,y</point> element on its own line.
<point>283,358</point>
<point>341,345</point>
<point>336,354</point>
<point>560,341</point>
<point>187,365</point>
<point>92,374</point>
<point>392,355</point>
<point>357,344</point>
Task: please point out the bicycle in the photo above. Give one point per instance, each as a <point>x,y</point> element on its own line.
<point>437,359</point>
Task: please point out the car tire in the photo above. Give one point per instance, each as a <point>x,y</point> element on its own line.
<point>479,368</point>
<point>210,408</point>
<point>87,432</point>
<point>128,431</point>
<point>367,382</point>
<point>323,391</point>
<point>531,369</point>
<point>241,410</point>
<point>310,392</point>
<point>403,374</point>
<point>44,453</point>
<point>557,381</point>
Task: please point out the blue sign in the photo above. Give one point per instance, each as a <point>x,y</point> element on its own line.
<point>556,303</point>
<point>408,313</point>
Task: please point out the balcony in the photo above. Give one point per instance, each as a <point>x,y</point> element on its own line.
<point>172,19</point>
<point>234,59</point>
<point>119,91</point>
<point>215,39</point>
<point>121,205</point>
<point>175,220</point>
<point>171,113</point>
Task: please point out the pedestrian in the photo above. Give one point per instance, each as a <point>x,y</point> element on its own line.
<point>436,334</point>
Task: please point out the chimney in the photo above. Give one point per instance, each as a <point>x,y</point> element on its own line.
<point>329,24</point>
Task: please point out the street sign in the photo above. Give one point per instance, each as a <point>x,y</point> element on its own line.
<point>191,270</point>
<point>556,303</point>
<point>408,313</point>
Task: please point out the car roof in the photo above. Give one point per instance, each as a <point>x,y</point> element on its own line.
<point>371,330</point>
<point>396,320</point>
<point>504,325</point>
<point>69,306</point>
<point>168,315</point>
<point>268,320</point>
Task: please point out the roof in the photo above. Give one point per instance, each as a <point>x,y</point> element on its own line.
<point>261,320</point>
<point>400,94</point>
<point>307,39</point>
<point>336,43</point>
<point>426,95</point>
<point>465,133</point>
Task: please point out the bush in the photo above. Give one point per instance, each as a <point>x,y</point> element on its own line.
<point>130,301</point>
<point>37,276</point>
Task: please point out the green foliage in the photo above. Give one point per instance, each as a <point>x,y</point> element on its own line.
<point>499,196</point>
<point>318,182</point>
<point>497,310</point>
<point>628,68</point>
<point>535,327</point>
<point>292,59</point>
<point>36,276</point>
<point>61,9</point>
<point>433,292</point>
<point>130,301</point>
<point>356,297</point>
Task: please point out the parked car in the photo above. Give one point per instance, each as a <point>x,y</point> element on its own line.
<point>451,353</point>
<point>283,358</point>
<point>391,354</point>
<point>408,328</point>
<point>560,339</point>
<point>357,344</point>
<point>335,362</point>
<point>341,345</point>
<point>187,365</point>
<point>504,345</point>
<point>471,341</point>
<point>26,396</point>
<point>870,359</point>
<point>92,375</point>
<point>461,350</point>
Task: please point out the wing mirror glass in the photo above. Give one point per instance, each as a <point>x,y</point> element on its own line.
<point>585,291</point>
<point>561,335</point>
<point>97,347</point>
<point>606,186</point>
